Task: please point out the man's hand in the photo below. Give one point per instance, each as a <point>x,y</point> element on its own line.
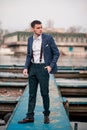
<point>25,72</point>
<point>48,69</point>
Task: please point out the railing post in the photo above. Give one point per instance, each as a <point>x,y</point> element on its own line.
<point>66,106</point>
<point>76,126</point>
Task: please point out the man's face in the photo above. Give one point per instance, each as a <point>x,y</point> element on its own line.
<point>37,29</point>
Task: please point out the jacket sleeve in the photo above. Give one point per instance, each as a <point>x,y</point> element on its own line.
<point>28,57</point>
<point>55,52</point>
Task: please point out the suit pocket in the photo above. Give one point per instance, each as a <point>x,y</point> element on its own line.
<point>46,45</point>
<point>47,48</point>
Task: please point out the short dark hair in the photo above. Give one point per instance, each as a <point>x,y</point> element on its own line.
<point>35,22</point>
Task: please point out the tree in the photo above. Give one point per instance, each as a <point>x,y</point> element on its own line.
<point>50,23</point>
<point>76,29</point>
<point>1,34</point>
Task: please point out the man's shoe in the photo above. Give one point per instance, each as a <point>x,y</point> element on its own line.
<point>26,120</point>
<point>46,120</point>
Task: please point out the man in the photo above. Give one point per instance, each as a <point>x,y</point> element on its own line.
<point>42,55</point>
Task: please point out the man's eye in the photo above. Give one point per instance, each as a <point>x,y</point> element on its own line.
<point>39,28</point>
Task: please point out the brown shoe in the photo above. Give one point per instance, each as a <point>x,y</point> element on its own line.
<point>46,120</point>
<point>26,120</point>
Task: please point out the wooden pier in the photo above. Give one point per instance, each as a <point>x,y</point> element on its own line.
<point>72,87</point>
<point>78,106</point>
<point>12,86</point>
<point>12,77</point>
<point>58,118</point>
<point>61,87</point>
<point>71,74</point>
<point>74,91</point>
<point>10,93</point>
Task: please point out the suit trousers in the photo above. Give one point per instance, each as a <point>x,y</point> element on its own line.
<point>38,75</point>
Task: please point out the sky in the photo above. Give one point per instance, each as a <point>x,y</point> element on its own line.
<point>18,14</point>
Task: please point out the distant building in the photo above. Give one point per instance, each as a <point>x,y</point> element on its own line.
<point>55,30</point>
<point>72,44</point>
<point>68,43</point>
<point>17,41</point>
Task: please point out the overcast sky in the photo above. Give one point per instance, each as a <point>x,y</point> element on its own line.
<point>17,14</point>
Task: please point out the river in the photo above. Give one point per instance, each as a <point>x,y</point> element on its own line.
<point>63,60</point>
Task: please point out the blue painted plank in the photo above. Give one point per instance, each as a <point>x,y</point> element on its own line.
<point>59,67</point>
<point>77,101</point>
<point>58,116</point>
<point>68,71</point>
<point>12,75</point>
<point>9,84</point>
<point>71,83</point>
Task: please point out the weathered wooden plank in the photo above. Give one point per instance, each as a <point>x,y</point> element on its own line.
<point>13,84</point>
<point>58,117</point>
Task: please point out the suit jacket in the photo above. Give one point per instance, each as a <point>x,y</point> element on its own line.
<point>49,50</point>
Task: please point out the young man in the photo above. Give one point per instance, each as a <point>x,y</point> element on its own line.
<point>42,55</point>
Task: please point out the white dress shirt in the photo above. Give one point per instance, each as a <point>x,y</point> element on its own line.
<point>37,42</point>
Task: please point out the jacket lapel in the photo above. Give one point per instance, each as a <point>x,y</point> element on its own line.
<point>31,43</point>
<point>43,41</point>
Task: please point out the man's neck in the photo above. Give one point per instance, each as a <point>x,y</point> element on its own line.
<point>36,36</point>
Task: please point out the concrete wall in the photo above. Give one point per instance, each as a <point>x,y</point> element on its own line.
<point>68,44</point>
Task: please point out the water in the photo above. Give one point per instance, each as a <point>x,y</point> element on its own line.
<point>63,61</point>
<point>72,61</point>
<point>12,60</point>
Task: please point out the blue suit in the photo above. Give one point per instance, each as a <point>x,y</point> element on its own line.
<point>37,73</point>
<point>49,50</point>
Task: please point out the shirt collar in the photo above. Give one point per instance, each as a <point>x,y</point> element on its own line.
<point>38,38</point>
